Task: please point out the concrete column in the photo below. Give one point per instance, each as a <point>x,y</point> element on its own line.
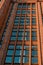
<point>40,29</point>
<point>7,35</point>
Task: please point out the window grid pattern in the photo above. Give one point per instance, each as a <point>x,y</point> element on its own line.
<point>22,20</point>
<point>34,54</point>
<point>21,31</point>
<point>18,54</point>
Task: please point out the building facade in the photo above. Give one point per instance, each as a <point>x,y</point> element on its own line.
<point>21,32</point>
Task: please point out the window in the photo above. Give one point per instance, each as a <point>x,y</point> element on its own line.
<point>34,60</point>
<point>18,52</point>
<point>34,47</point>
<point>18,11</point>
<point>27,38</point>
<point>10,52</point>
<point>24,5</point>
<point>20,5</point>
<point>33,20</point>
<point>14,33</point>
<point>34,35</point>
<point>26,29</point>
<point>28,6</point>
<point>27,33</point>
<point>27,21</point>
<point>23,11</point>
<point>16,22</point>
<point>17,17</point>
<point>21,22</point>
<point>20,38</point>
<point>25,59</point>
<point>28,11</point>
<point>8,60</point>
<point>18,47</point>
<point>33,5</point>
<point>22,17</point>
<point>15,30</point>
<point>20,33</point>
<point>34,54</point>
<point>13,38</point>
<point>34,29</point>
<point>33,12</point>
<point>21,29</point>
<point>11,47</point>
<point>26,52</point>
<point>17,59</point>
<point>26,47</point>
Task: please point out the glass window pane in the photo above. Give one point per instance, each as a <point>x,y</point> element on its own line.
<point>28,6</point>
<point>14,33</point>
<point>10,52</point>
<point>24,5</point>
<point>13,38</point>
<point>20,33</point>
<point>28,11</point>
<point>26,47</point>
<point>17,59</point>
<point>18,52</point>
<point>34,60</point>
<point>8,60</point>
<point>33,12</point>
<point>34,52</point>
<point>18,11</point>
<point>11,47</point>
<point>23,11</point>
<point>27,33</point>
<point>19,5</point>
<point>27,38</point>
<point>34,47</point>
<point>20,38</point>
<point>25,59</point>
<point>33,5</point>
<point>18,47</point>
<point>26,52</point>
<point>33,33</point>
<point>34,38</point>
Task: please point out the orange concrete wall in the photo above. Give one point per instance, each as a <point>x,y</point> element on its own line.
<point>42,6</point>
<point>1,3</point>
<point>3,11</point>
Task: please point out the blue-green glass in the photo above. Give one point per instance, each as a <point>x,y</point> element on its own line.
<point>8,60</point>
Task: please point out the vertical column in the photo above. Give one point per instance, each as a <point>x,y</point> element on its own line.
<point>42,6</point>
<point>38,31</point>
<point>7,35</point>
<point>4,25</point>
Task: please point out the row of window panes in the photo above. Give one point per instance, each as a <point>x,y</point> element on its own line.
<point>26,35</point>
<point>26,5</point>
<point>18,54</point>
<point>25,12</point>
<point>23,20</point>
